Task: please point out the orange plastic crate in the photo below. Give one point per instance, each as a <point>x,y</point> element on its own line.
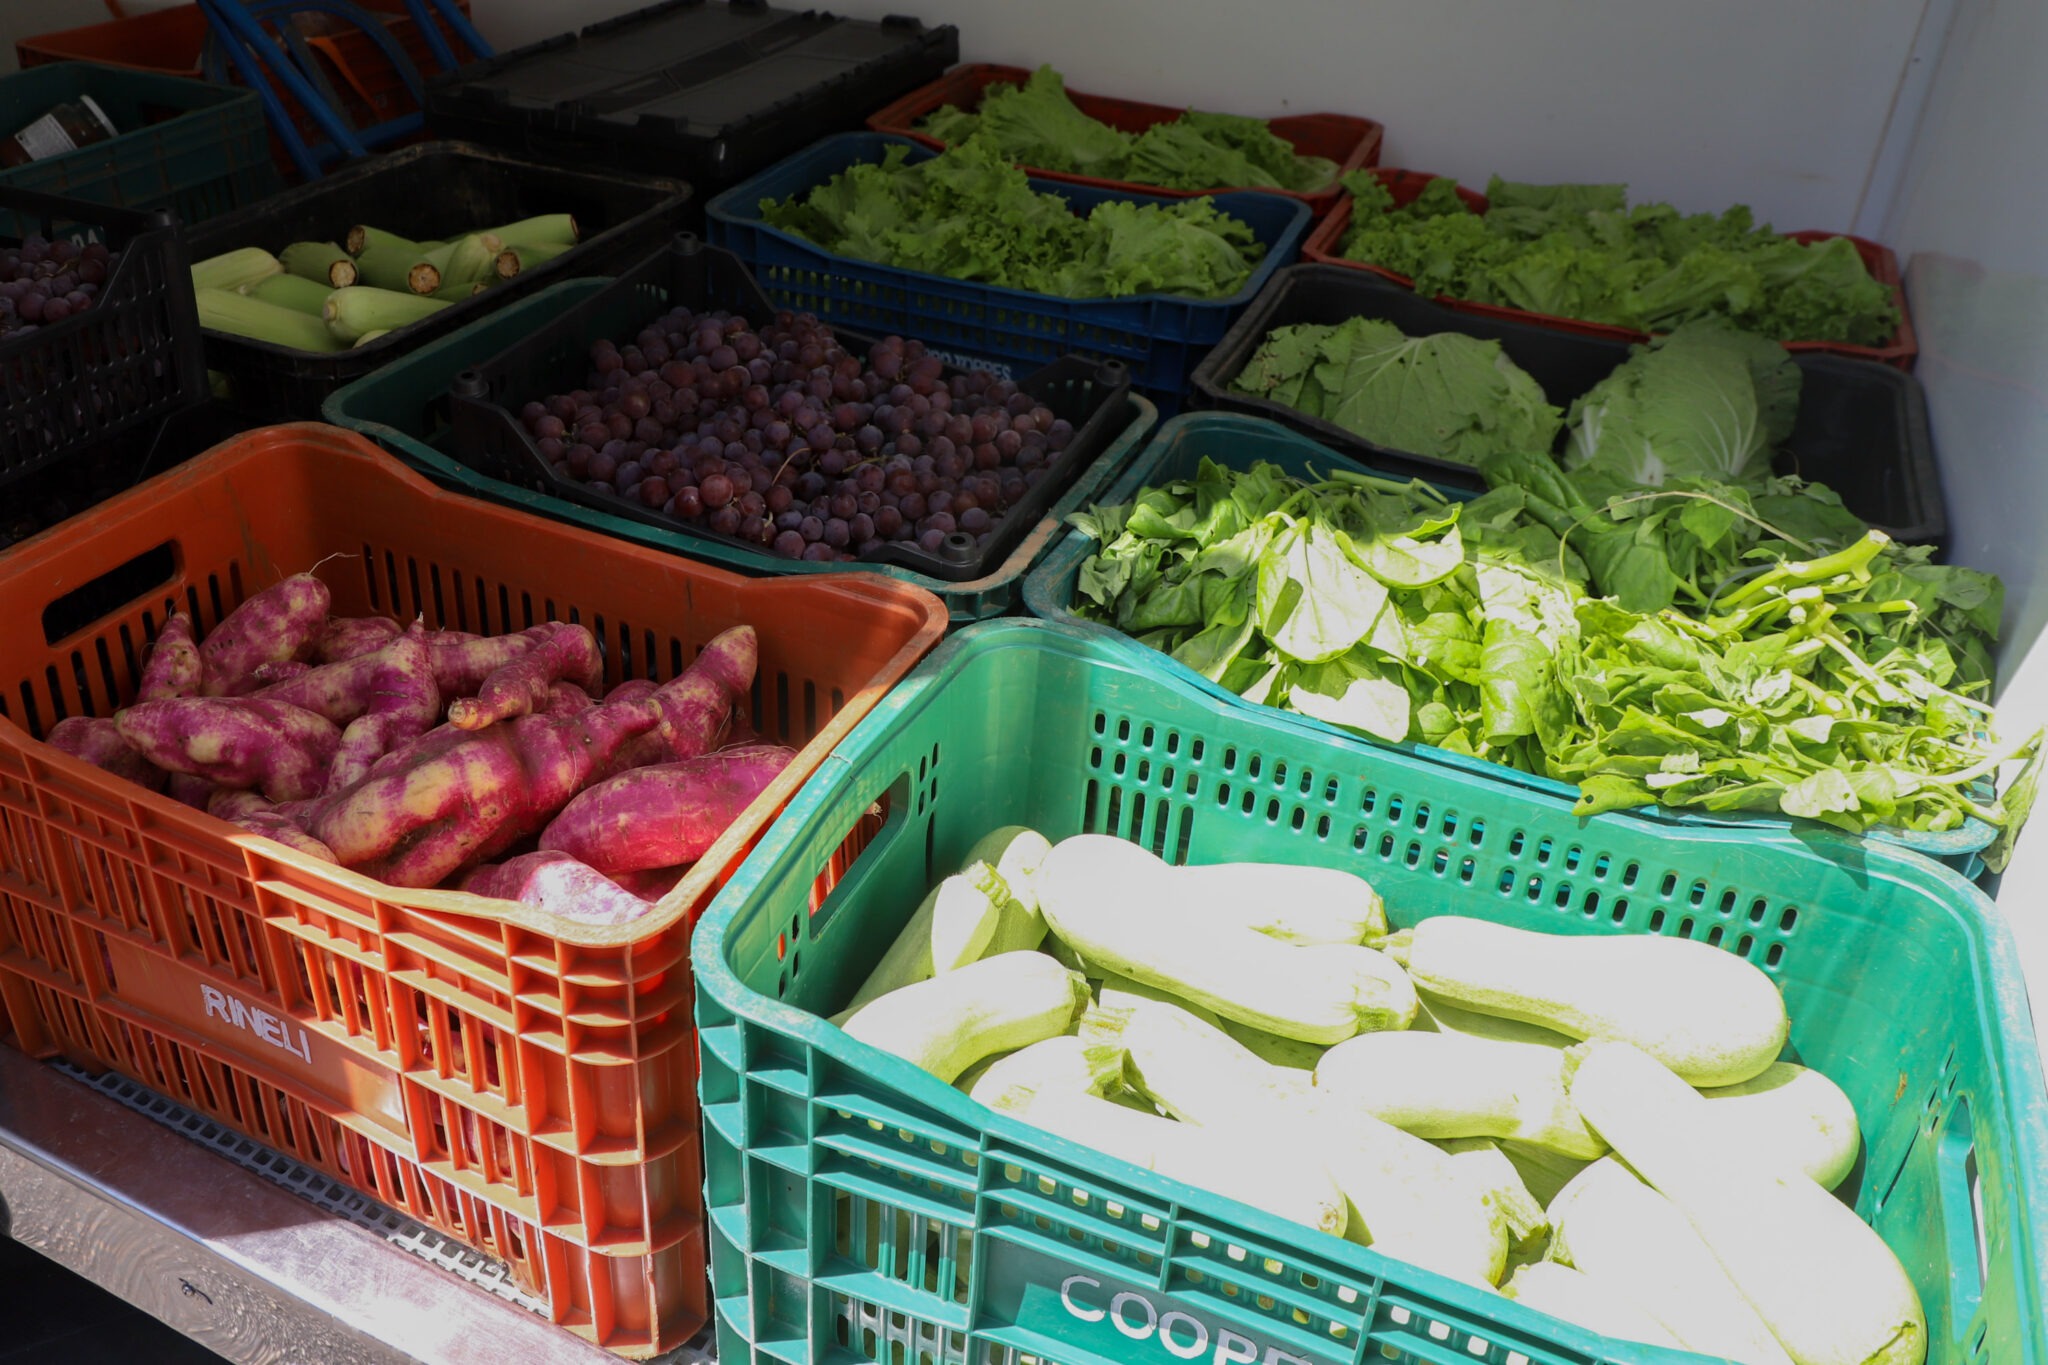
<point>519,1082</point>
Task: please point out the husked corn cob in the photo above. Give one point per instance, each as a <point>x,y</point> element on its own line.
<point>224,310</point>
<point>538,254</point>
<point>548,229</point>
<point>237,269</point>
<point>292,291</point>
<point>322,262</point>
<point>351,312</point>
<point>362,237</point>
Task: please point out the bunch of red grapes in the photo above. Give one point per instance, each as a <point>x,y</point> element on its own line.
<point>784,439</point>
<point>43,282</point>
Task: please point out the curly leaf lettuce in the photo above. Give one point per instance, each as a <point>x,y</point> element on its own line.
<point>971,215</point>
<point>1580,251</point>
<point>1037,124</point>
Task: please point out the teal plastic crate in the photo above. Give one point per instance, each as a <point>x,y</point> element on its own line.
<point>1176,452</point>
<point>402,407</point>
<point>185,145</point>
<point>861,1209</point>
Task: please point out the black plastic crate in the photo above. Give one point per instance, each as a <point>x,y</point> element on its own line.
<point>431,190</point>
<point>1862,427</point>
<point>94,473</point>
<point>131,358</point>
<point>709,91</point>
<point>486,434</point>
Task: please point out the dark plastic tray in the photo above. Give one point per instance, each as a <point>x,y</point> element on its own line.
<point>428,190</point>
<point>133,357</point>
<point>710,92</point>
<point>486,435</point>
<point>1862,426</point>
<point>91,475</point>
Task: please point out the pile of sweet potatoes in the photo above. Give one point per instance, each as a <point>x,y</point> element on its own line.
<point>437,758</point>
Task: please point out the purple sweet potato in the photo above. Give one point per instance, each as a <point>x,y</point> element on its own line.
<point>174,668</point>
<point>98,741</point>
<point>236,742</point>
<point>188,790</point>
<point>559,884</point>
<point>344,637</point>
<point>567,699</point>
<point>564,652</point>
<point>632,689</point>
<point>384,698</point>
<point>398,675</point>
<point>270,627</point>
<point>670,813</point>
<point>270,675</point>
<point>462,661</point>
<point>697,706</point>
<point>452,798</point>
<point>256,813</point>
<point>651,884</point>
<point>274,825</point>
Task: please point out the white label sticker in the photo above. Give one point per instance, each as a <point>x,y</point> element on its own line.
<point>44,138</point>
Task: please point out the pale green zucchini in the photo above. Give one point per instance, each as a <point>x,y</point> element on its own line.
<point>1826,1285</point>
<point>950,1022</point>
<point>1710,1016</point>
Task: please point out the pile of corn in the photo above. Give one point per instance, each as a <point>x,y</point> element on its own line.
<point>316,296</point>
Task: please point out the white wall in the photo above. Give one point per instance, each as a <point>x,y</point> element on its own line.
<point>1780,104</point>
<point>1972,200</point>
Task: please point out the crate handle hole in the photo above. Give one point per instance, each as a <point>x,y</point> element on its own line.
<point>100,597</point>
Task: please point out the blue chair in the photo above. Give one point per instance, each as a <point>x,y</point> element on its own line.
<point>259,42</point>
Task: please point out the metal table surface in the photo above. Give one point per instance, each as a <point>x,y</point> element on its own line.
<point>252,1256</point>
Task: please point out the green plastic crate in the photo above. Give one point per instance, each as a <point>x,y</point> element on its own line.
<point>1176,452</point>
<point>860,1209</point>
<point>185,145</point>
<point>402,408</point>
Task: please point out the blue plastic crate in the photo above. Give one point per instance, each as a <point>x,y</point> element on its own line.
<point>1161,337</point>
<point>1176,451</point>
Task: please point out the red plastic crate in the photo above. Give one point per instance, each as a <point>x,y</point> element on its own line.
<point>517,1081</point>
<point>171,40</point>
<point>1350,142</point>
<point>1325,240</point>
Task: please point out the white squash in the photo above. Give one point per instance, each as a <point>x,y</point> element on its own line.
<point>1107,900</point>
<point>1615,1228</point>
<point>1825,1284</point>
<point>1710,1016</point>
<point>950,1022</point>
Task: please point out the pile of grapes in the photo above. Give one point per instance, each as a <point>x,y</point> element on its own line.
<point>44,282</point>
<point>784,439</point>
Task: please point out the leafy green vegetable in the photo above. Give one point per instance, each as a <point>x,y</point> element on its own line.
<point>1448,396</point>
<point>969,214</point>
<point>1706,401</point>
<point>1037,124</point>
<point>1579,251</point>
<point>1699,645</point>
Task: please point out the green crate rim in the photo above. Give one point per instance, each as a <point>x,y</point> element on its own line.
<point>974,599</point>
<point>1046,597</point>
